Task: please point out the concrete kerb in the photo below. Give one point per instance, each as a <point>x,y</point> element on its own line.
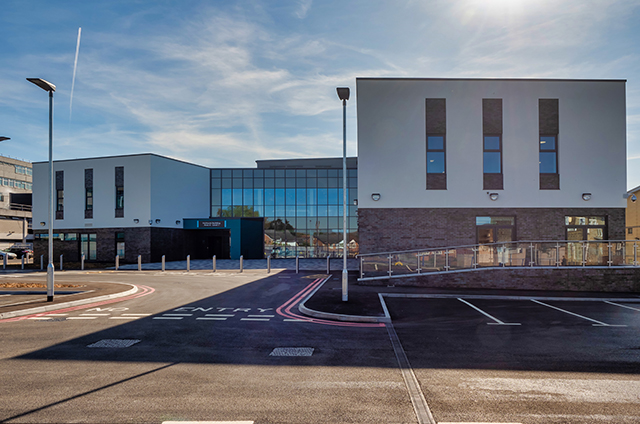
<point>337,317</point>
<point>57,306</point>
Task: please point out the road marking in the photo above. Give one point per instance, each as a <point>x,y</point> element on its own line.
<point>40,318</point>
<point>208,422</point>
<point>293,320</point>
<point>420,407</point>
<point>260,316</point>
<point>292,351</point>
<point>114,343</point>
<point>255,319</point>
<point>57,315</point>
<point>597,323</point>
<point>82,317</point>
<point>167,317</point>
<point>177,315</point>
<point>211,319</point>
<point>98,315</point>
<point>220,315</point>
<point>124,317</point>
<point>142,315</point>
<point>497,321</point>
<point>622,306</point>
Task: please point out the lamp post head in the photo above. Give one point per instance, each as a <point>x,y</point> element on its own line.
<point>45,85</point>
<point>343,93</point>
<point>4,138</point>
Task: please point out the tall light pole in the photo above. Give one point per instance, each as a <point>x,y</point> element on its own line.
<point>47,86</point>
<point>4,138</point>
<point>343,94</point>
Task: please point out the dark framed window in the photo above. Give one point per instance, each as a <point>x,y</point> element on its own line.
<point>436,163</point>
<point>120,245</point>
<point>436,126</point>
<point>591,228</point>
<point>88,199</point>
<point>495,229</point>
<point>119,198</point>
<point>119,191</point>
<point>548,154</point>
<point>60,200</point>
<point>492,154</point>
<point>88,246</point>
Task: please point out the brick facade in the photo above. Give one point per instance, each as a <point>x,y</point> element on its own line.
<point>566,279</point>
<point>150,243</point>
<point>383,230</point>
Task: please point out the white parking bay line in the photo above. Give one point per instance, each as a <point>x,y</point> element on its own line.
<point>140,315</point>
<point>211,319</point>
<point>255,319</point>
<point>260,316</point>
<point>622,306</point>
<point>497,321</point>
<point>177,315</point>
<point>124,317</point>
<point>97,315</point>
<point>220,315</point>
<point>82,317</point>
<point>597,323</point>
<point>168,317</point>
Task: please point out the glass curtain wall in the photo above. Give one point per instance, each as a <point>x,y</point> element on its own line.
<point>302,208</point>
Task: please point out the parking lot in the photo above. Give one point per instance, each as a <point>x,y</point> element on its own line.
<point>523,360</point>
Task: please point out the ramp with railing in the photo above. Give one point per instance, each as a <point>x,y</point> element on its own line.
<point>517,254</point>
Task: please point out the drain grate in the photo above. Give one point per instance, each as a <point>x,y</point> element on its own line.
<point>115,343</point>
<point>292,351</point>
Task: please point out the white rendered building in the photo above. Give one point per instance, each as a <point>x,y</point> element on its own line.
<point>446,162</point>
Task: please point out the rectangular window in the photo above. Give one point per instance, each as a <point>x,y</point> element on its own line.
<point>88,244</point>
<point>88,194</point>
<point>59,194</point>
<point>548,125</point>
<point>492,144</point>
<point>436,126</point>
<point>119,191</point>
<point>120,245</point>
<point>495,229</point>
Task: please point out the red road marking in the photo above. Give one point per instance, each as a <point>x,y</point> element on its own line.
<point>285,309</point>
<point>145,291</point>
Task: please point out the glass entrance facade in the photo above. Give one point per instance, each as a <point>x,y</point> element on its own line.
<point>300,201</point>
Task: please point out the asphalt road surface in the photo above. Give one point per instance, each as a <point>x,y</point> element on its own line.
<point>225,347</point>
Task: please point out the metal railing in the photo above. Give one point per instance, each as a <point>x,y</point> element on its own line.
<point>517,254</point>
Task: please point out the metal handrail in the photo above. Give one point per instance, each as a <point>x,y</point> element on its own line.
<point>515,254</point>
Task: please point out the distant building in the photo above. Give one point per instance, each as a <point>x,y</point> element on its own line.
<point>449,162</point>
<point>151,206</point>
<point>15,202</point>
<point>633,214</point>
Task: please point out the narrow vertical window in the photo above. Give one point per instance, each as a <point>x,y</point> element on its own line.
<point>436,126</point>
<point>120,245</point>
<point>548,124</point>
<point>88,194</point>
<point>119,192</point>
<point>492,144</point>
<point>59,194</point>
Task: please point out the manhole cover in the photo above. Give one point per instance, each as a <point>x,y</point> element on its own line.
<point>292,351</point>
<point>117,343</point>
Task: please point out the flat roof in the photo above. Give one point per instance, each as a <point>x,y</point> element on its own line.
<point>489,79</point>
<point>124,156</point>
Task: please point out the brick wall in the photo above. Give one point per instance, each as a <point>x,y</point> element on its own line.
<point>581,279</point>
<point>384,230</point>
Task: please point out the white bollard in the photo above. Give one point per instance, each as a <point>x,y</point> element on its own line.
<point>188,263</point>
<point>82,262</point>
<point>214,263</point>
<point>139,262</point>
<point>297,264</point>
<point>61,262</point>
<point>41,262</point>
<point>22,261</point>
<point>117,262</point>
<point>269,264</point>
<point>163,262</point>
<point>241,264</point>
<point>4,261</point>
<point>328,264</point>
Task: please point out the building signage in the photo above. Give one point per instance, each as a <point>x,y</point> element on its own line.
<point>210,224</point>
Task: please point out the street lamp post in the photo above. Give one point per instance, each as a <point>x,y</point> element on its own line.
<point>47,86</point>
<point>343,94</point>
<point>4,138</point>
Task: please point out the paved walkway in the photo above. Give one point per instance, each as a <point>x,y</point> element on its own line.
<point>231,264</point>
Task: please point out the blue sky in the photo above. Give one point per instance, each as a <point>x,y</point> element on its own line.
<point>223,83</point>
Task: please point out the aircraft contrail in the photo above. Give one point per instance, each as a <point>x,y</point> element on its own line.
<point>75,66</point>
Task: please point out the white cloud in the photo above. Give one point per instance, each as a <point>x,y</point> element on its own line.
<point>303,8</point>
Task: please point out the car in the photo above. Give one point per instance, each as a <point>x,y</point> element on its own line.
<point>8,255</point>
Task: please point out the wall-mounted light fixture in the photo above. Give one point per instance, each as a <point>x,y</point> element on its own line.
<point>634,198</point>
<point>136,220</point>
<point>43,224</point>
<point>157,221</point>
<point>493,196</point>
<point>177,222</point>
<point>355,202</point>
<point>375,197</point>
<point>586,196</point>
<point>150,221</point>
